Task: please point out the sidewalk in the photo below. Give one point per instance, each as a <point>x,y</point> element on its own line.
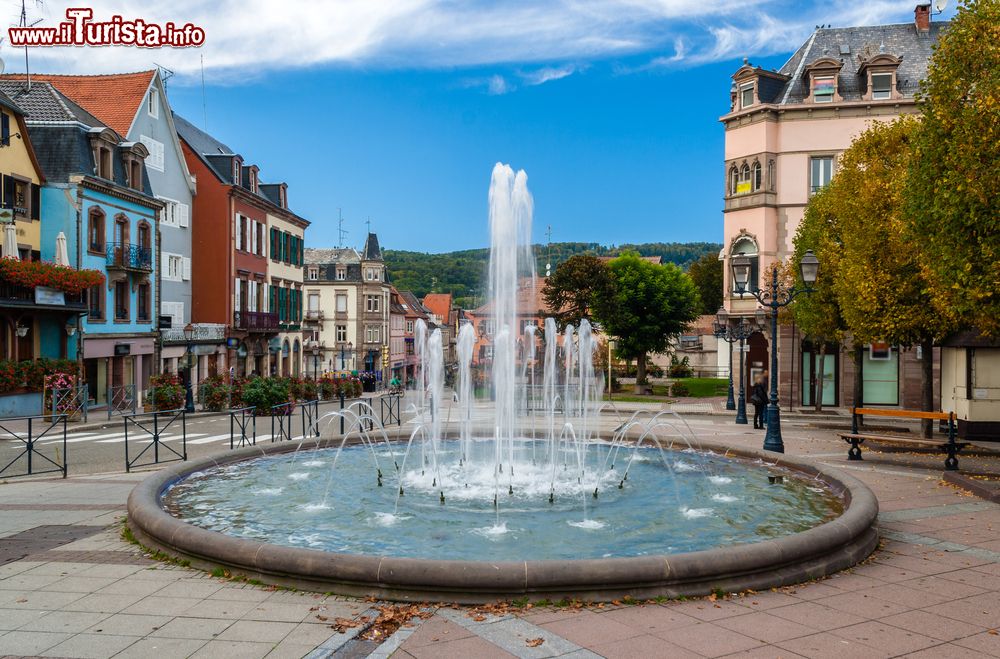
<point>70,586</point>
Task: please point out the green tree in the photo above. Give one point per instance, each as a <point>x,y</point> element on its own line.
<point>818,314</point>
<point>572,289</point>
<point>880,280</point>
<point>706,273</point>
<point>646,306</point>
<point>952,200</point>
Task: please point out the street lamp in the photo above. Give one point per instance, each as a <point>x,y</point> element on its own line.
<point>720,327</point>
<point>350,348</point>
<point>315,351</point>
<point>611,345</point>
<point>775,299</point>
<point>188,397</point>
<point>741,331</point>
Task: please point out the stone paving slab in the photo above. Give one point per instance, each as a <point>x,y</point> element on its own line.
<point>75,588</point>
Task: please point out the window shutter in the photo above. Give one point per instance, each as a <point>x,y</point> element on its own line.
<point>36,201</point>
<point>182,215</point>
<point>274,304</point>
<point>5,129</point>
<point>236,293</point>
<point>186,269</point>
<point>8,191</point>
<point>253,236</point>
<point>165,265</point>
<point>274,233</point>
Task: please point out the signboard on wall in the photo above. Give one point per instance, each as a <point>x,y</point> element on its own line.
<point>122,349</point>
<point>45,295</point>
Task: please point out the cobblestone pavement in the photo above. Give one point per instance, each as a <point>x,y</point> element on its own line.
<point>70,586</point>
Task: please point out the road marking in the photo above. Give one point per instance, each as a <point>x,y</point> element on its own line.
<point>209,439</point>
<point>142,436</point>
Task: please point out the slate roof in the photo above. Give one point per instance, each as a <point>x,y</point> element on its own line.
<point>335,255</point>
<point>199,141</point>
<point>114,98</point>
<point>852,45</point>
<point>372,251</point>
<point>44,104</point>
<point>414,306</point>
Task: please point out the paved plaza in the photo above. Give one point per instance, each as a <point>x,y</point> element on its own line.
<point>71,586</point>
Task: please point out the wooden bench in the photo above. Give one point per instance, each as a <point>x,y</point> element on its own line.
<point>855,438</point>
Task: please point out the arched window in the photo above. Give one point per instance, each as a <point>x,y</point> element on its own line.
<point>770,175</point>
<point>747,247</point>
<point>757,176</point>
<point>144,234</point>
<point>95,231</point>
<point>734,179</point>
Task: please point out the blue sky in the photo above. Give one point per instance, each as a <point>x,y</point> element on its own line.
<point>397,111</point>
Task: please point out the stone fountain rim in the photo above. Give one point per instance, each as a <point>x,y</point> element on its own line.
<point>816,552</point>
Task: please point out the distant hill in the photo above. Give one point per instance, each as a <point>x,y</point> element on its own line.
<point>463,273</point>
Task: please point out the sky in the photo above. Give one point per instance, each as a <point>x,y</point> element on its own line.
<point>395,111</point>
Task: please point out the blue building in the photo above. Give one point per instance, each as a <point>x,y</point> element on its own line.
<point>97,193</point>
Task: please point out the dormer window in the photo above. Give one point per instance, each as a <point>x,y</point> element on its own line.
<point>135,174</point>
<point>823,88</point>
<point>881,86</point>
<point>341,273</point>
<point>878,77</point>
<point>822,76</point>
<point>102,160</point>
<point>236,171</point>
<point>313,273</point>
<point>253,179</point>
<point>283,196</point>
<point>746,95</point>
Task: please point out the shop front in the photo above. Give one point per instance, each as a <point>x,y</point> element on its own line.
<point>114,362</point>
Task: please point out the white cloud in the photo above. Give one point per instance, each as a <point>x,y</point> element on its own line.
<point>497,85</point>
<point>251,37</point>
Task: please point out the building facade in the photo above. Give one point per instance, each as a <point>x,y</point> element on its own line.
<point>286,242</point>
<point>97,195</point>
<point>783,135</point>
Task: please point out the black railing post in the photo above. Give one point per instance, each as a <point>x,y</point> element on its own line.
<point>854,421</point>
<point>156,437</point>
<point>232,423</point>
<point>65,457</point>
<point>184,435</point>
<point>31,445</point>
<point>341,411</point>
<point>128,465</point>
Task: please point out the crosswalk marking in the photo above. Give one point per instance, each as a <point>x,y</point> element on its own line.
<point>142,436</point>
<point>209,439</point>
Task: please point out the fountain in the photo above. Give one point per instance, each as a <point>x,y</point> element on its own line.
<point>537,490</point>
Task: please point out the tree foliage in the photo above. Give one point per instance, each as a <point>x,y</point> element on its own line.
<point>572,289</point>
<point>463,273</point>
<point>881,286</point>
<point>647,305</point>
<point>818,314</point>
<point>706,273</point>
<point>952,197</point>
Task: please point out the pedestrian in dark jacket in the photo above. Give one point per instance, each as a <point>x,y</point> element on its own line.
<point>758,397</point>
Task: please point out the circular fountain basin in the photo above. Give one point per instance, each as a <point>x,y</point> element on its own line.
<point>683,523</point>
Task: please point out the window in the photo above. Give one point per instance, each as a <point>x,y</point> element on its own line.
<point>142,303</point>
<point>756,175</point>
<point>341,303</point>
<point>743,181</point>
<point>173,265</point>
<point>747,247</point>
<point>373,334</point>
<point>95,231</point>
<point>313,273</point>
<point>155,158</point>
<point>734,179</point>
<point>241,238</point>
<point>4,129</point>
<point>313,302</point>
<point>143,236</point>
<point>259,239</point>
<point>746,95</point>
<point>153,103</point>
<point>102,160</point>
<point>881,86</point>
<point>409,327</point>
<point>134,174</point>
<point>121,300</point>
<point>823,88</point>
<point>821,171</point>
<point>341,333</point>
<point>341,273</point>
<point>372,303</point>
<point>95,300</point>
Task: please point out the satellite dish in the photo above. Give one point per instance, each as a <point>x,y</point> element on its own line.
<point>939,5</point>
<point>1,66</point>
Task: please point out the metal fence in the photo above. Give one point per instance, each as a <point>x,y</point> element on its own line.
<point>532,399</point>
<point>243,419</point>
<point>121,400</point>
<point>71,401</point>
<point>310,418</point>
<point>51,455</point>
<point>150,427</point>
<point>281,422</point>
<point>389,410</point>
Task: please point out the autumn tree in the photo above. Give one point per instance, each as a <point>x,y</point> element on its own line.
<point>952,199</point>
<point>880,281</point>
<point>818,314</point>
<point>645,307</point>
<point>706,273</point>
<point>571,291</point>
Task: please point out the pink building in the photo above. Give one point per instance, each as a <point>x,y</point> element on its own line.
<point>784,132</point>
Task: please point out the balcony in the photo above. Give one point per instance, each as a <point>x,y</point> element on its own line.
<point>129,257</point>
<point>203,333</point>
<point>314,315</point>
<point>255,321</point>
<point>12,295</point>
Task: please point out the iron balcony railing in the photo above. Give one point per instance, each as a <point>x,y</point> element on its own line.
<point>255,321</point>
<point>12,295</point>
<point>126,256</point>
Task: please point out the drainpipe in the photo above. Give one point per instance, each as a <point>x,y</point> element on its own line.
<point>78,206</point>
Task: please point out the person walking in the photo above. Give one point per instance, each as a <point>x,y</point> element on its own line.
<point>758,397</point>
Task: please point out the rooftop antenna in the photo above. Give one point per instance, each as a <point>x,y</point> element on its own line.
<point>341,231</point>
<point>165,74</point>
<point>204,106</point>
<point>368,223</point>
<point>24,23</point>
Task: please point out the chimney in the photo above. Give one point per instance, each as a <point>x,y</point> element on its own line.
<point>922,17</point>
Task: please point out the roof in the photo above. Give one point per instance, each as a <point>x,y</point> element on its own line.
<point>530,299</point>
<point>438,304</point>
<point>200,141</point>
<point>414,307</point>
<point>8,102</point>
<point>372,251</point>
<point>42,103</point>
<point>334,255</point>
<point>852,46</point>
<point>113,98</point>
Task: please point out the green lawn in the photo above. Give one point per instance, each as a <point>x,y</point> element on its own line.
<point>705,387</point>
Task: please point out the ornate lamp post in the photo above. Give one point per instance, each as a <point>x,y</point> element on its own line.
<point>316,351</point>
<point>350,348</point>
<point>188,396</point>
<point>740,331</point>
<point>720,328</point>
<point>774,299</point>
